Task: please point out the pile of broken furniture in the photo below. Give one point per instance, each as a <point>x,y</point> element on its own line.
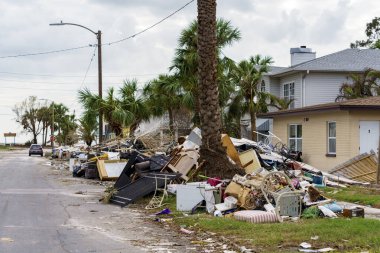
<point>273,185</point>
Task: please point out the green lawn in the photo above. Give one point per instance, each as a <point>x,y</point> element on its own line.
<point>4,148</point>
<point>355,194</point>
<point>346,235</point>
<point>341,234</point>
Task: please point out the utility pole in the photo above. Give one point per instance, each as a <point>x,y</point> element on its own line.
<point>100,83</point>
<point>100,86</point>
<point>52,137</point>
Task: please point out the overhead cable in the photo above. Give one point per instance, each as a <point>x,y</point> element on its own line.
<point>150,27</point>
<point>76,76</point>
<point>47,52</point>
<point>108,43</point>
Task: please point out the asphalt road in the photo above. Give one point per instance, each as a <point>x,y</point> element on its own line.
<point>35,214</point>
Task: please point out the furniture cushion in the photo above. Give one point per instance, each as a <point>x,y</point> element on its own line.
<point>256,216</point>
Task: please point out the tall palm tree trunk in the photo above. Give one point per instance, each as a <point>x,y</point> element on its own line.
<point>253,125</point>
<point>211,151</point>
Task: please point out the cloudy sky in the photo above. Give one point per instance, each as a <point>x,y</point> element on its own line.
<point>269,27</point>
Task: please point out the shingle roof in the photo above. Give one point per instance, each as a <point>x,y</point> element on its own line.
<point>274,70</point>
<point>369,103</point>
<point>348,60</point>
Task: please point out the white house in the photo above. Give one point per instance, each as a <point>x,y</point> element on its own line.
<point>312,81</point>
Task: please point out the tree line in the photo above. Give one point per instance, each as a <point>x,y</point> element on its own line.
<point>238,84</point>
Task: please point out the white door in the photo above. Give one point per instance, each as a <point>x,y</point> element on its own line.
<point>369,136</point>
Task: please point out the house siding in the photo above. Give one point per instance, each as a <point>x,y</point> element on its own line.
<point>296,78</point>
<point>322,87</point>
<point>314,137</point>
<point>267,83</point>
<point>274,86</point>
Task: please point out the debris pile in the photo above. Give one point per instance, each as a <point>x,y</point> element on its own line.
<point>275,184</point>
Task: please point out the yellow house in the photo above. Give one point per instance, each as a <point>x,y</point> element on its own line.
<point>329,134</point>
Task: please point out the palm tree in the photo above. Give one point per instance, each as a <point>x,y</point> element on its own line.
<point>60,112</point>
<point>134,104</point>
<point>88,126</point>
<point>69,127</point>
<point>248,75</point>
<point>45,117</point>
<point>164,94</point>
<point>111,106</point>
<point>363,85</point>
<point>211,149</point>
<point>280,103</point>
<point>185,63</point>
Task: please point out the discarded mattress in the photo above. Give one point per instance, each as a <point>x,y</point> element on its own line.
<point>256,216</point>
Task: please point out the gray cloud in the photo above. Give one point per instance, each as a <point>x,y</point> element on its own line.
<point>268,27</point>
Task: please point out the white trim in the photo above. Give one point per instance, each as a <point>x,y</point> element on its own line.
<point>282,91</point>
<point>330,138</point>
<point>295,138</point>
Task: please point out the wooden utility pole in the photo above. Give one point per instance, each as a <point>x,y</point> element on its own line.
<point>100,88</point>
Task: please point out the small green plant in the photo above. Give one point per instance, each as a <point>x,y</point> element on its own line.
<point>108,193</point>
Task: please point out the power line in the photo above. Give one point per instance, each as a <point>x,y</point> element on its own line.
<point>150,27</point>
<point>49,82</point>
<point>109,43</point>
<point>75,76</point>
<point>47,52</point>
<point>47,89</point>
<point>85,75</point>
<point>88,68</point>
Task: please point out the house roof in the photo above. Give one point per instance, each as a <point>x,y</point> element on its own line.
<point>348,60</point>
<point>368,103</point>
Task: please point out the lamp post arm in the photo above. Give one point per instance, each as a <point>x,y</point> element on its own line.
<point>75,25</point>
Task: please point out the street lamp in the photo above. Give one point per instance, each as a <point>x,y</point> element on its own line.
<point>51,126</point>
<point>99,37</point>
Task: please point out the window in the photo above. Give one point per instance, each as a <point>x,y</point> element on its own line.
<point>262,88</point>
<point>295,137</point>
<point>288,93</point>
<point>331,138</point>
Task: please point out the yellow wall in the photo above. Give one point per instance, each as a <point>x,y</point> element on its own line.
<point>314,136</point>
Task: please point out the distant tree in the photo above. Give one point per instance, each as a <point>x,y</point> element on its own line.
<point>185,62</point>
<point>27,115</point>
<point>44,114</point>
<point>372,32</point>
<point>164,94</point>
<point>248,75</point>
<point>88,125</point>
<point>280,103</point>
<point>134,103</point>
<point>123,109</point>
<point>362,85</point>
<point>111,105</point>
